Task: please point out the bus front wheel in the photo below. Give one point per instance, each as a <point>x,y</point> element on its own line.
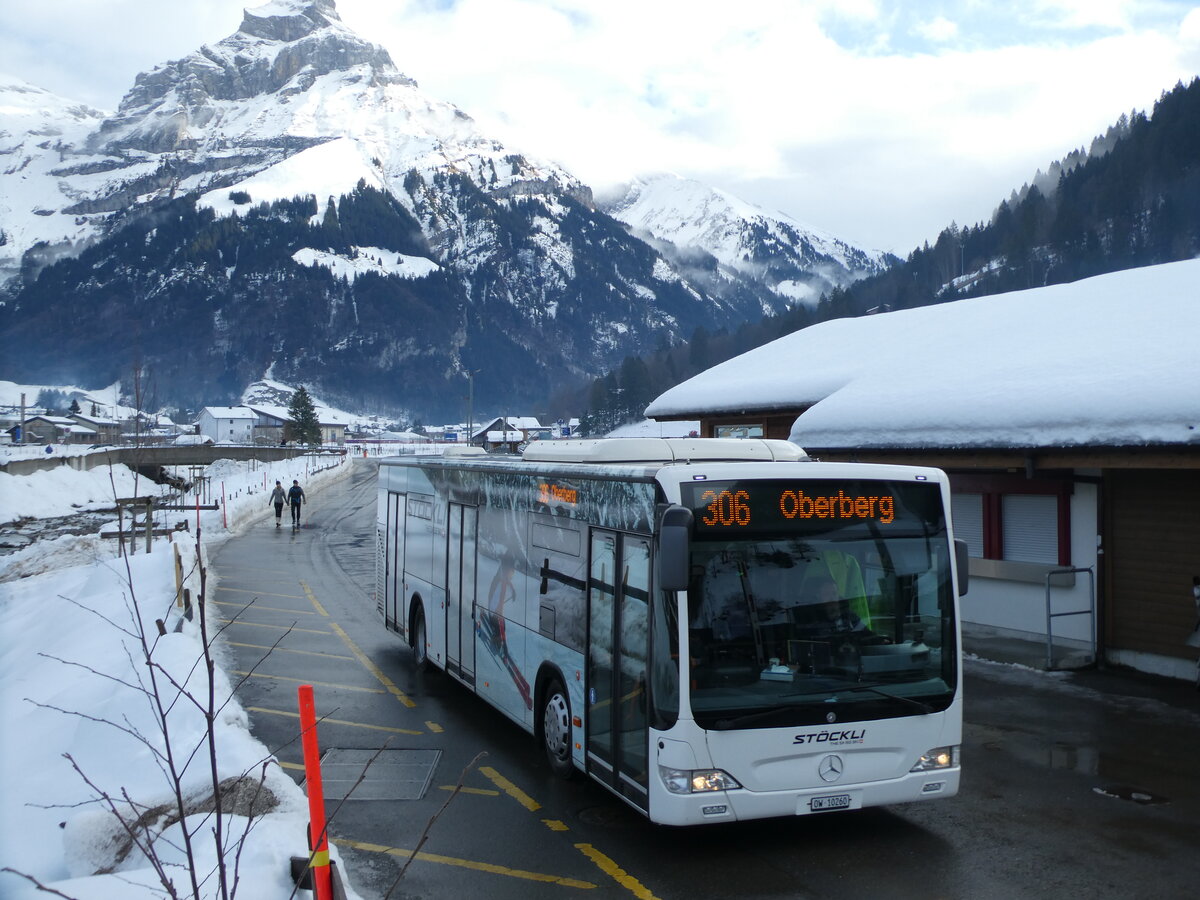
<point>556,729</point>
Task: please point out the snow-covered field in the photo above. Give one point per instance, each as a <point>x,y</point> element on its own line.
<point>72,673</point>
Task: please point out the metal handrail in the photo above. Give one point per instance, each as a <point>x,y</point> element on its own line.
<point>1090,611</point>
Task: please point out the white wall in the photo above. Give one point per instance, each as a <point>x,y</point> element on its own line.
<point>1019,606</point>
<point>238,431</point>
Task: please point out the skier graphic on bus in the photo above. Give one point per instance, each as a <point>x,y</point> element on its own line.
<point>491,625</point>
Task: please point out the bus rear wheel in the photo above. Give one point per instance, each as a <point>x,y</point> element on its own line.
<point>556,729</point>
<point>419,646</point>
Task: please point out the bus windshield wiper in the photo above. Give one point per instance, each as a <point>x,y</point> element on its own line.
<point>746,718</point>
<point>726,724</point>
<point>876,689</point>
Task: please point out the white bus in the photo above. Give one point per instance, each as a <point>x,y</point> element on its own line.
<point>714,630</point>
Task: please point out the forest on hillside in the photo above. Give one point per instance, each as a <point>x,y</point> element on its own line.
<point>1133,201</point>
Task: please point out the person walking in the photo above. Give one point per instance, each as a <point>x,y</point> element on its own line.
<point>278,497</point>
<point>295,498</point>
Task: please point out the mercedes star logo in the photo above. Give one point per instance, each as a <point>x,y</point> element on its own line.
<point>831,768</point>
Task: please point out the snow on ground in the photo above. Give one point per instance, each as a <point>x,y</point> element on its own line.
<point>367,259</point>
<point>63,490</point>
<point>327,170</point>
<point>70,610</point>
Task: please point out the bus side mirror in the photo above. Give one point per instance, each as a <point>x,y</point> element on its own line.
<point>674,536</point>
<point>962,562</point>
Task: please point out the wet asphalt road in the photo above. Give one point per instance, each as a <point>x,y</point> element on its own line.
<point>1073,786</point>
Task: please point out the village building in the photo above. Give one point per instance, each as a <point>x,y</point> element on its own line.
<point>1068,418</point>
<point>271,423</point>
<point>106,431</point>
<point>509,433</point>
<point>46,429</point>
<point>227,424</point>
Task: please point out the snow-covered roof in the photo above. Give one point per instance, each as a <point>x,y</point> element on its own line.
<point>1108,361</point>
<point>325,416</point>
<point>523,422</point>
<point>229,412</point>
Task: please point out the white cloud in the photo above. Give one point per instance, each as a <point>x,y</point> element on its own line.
<point>820,108</point>
<point>939,30</point>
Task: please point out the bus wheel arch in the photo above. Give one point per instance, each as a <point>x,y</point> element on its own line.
<point>553,721</point>
<point>418,636</point>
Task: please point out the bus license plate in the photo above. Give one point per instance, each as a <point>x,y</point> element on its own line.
<point>824,804</point>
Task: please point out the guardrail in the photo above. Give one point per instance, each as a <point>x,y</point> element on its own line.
<point>189,454</point>
<point>1050,616</point>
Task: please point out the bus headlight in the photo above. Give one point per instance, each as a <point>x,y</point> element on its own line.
<point>937,758</point>
<point>696,781</point>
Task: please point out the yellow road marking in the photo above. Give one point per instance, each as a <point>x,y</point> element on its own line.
<point>312,598</point>
<point>288,650</point>
<point>468,864</point>
<point>222,589</point>
<point>373,669</point>
<point>483,792</point>
<point>323,721</point>
<point>299,767</point>
<point>276,627</point>
<point>555,825</point>
<point>615,872</point>
<point>434,727</point>
<point>257,607</point>
<point>328,684</point>
<point>511,789</point>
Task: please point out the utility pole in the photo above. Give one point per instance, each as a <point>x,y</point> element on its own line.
<point>470,405</point>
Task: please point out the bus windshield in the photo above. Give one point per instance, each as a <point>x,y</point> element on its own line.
<point>792,618</point>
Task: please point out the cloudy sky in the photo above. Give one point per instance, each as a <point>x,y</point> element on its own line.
<point>880,121</point>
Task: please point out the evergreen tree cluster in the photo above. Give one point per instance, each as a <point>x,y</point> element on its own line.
<point>1134,201</point>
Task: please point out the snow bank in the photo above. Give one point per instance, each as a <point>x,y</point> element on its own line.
<point>70,668</point>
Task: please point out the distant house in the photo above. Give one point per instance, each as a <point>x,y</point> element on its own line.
<point>1068,418</point>
<point>506,433</point>
<point>227,424</point>
<point>271,422</point>
<point>43,429</point>
<point>106,431</point>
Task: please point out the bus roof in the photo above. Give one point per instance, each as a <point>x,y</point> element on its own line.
<point>663,450</point>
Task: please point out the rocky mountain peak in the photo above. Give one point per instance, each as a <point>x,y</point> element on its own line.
<point>281,49</point>
<point>288,20</point>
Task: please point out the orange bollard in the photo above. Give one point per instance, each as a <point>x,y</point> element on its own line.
<point>319,861</point>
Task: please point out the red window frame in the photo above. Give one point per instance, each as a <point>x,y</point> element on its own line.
<point>994,487</point>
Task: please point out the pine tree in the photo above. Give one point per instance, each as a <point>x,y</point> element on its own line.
<point>303,426</point>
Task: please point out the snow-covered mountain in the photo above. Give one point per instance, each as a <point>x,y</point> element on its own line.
<point>37,128</point>
<point>796,261</point>
<point>291,80</point>
<point>287,200</point>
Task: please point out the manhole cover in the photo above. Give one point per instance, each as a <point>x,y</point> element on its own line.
<point>394,774</point>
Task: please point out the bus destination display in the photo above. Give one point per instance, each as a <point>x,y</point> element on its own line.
<point>762,506</point>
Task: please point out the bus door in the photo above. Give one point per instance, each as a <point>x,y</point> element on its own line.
<point>618,618</point>
<point>460,591</point>
<point>394,578</point>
